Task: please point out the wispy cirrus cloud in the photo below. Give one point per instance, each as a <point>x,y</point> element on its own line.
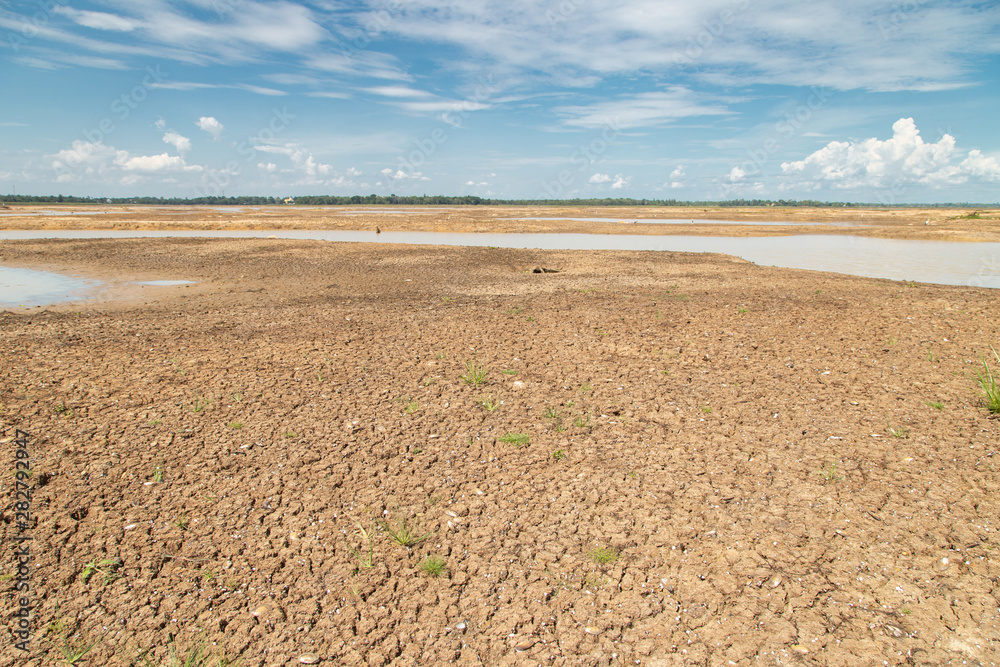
<point>642,110</point>
<point>854,44</point>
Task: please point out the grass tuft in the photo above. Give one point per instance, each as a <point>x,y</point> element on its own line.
<point>475,374</point>
<point>108,567</point>
<point>519,439</point>
<point>987,381</point>
<point>488,403</point>
<point>74,650</point>
<point>830,474</point>
<point>604,555</point>
<point>365,560</point>
<point>433,566</point>
<point>404,534</point>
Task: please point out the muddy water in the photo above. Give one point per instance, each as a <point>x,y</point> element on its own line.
<point>948,263</point>
<point>687,221</point>
<point>23,287</point>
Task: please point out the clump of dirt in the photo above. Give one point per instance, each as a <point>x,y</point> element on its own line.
<point>375,455</point>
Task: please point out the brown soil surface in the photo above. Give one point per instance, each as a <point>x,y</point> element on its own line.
<point>721,464</point>
<point>917,223</point>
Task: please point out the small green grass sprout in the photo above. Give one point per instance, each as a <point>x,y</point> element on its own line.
<point>74,650</point>
<point>987,381</point>
<point>433,566</point>
<point>404,534</point>
<point>109,567</point>
<point>519,439</point>
<point>475,374</point>
<point>830,474</point>
<point>604,555</point>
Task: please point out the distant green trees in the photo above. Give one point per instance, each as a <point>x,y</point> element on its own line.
<point>452,200</point>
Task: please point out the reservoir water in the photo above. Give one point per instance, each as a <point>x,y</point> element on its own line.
<point>944,262</point>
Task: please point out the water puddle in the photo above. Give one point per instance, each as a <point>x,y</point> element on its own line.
<point>49,213</point>
<point>944,262</point>
<point>672,221</point>
<point>25,287</point>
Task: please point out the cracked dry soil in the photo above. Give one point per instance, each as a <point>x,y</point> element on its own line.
<point>673,459</point>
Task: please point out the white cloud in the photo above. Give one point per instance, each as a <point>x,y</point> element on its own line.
<point>196,85</point>
<point>181,143</point>
<point>269,167</point>
<point>92,160</point>
<point>642,110</point>
<point>154,163</point>
<point>678,172</point>
<point>160,123</point>
<point>736,174</point>
<point>904,159</point>
<point>844,45</point>
<point>620,182</point>
<point>398,91</point>
<point>211,125</point>
<point>329,94</point>
<point>302,160</point>
<point>352,171</point>
<point>400,175</point>
<point>98,20</point>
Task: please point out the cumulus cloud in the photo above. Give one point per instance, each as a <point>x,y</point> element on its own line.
<point>736,174</point>
<point>96,160</point>
<point>620,182</point>
<point>211,125</point>
<point>302,160</point>
<point>678,172</point>
<point>904,159</point>
<point>600,178</point>
<point>181,143</point>
<point>154,163</point>
<point>400,175</point>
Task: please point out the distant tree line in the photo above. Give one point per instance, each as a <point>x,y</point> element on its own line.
<point>446,200</point>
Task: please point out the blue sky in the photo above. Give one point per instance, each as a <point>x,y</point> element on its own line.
<point>847,100</point>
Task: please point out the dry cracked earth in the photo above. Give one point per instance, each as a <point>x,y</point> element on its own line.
<point>635,459</point>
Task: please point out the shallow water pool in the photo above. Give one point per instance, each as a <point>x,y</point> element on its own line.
<point>944,262</point>
<point>24,287</point>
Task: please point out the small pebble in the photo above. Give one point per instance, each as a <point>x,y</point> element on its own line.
<point>943,564</point>
<point>799,648</point>
<point>261,610</point>
<point>896,632</point>
<point>308,658</point>
<point>524,644</point>
<point>774,581</point>
<point>591,630</point>
<point>461,626</point>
